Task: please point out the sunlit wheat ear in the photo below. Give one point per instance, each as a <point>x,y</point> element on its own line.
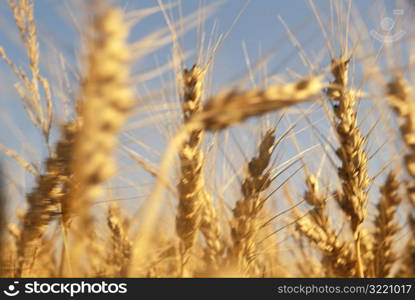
<point>244,223</point>
<point>353,170</point>
<point>44,200</point>
<point>399,95</point>
<point>120,243</point>
<point>312,197</point>
<point>367,243</point>
<point>386,227</point>
<point>211,229</point>
<point>233,107</point>
<point>337,256</point>
<point>191,185</point>
<point>401,99</point>
<point>38,103</point>
<point>105,98</point>
<point>209,223</point>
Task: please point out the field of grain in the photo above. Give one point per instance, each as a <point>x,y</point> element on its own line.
<point>114,164</point>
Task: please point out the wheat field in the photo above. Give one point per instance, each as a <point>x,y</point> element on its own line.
<point>114,165</point>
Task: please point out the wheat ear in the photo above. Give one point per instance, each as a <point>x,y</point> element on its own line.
<point>211,230</point>
<point>105,98</point>
<point>19,159</point>
<point>104,101</point>
<point>244,223</point>
<point>44,199</point>
<point>400,98</point>
<point>233,107</point>
<point>386,227</point>
<point>191,185</point>
<point>195,197</point>
<point>121,244</point>
<point>29,88</point>
<point>338,257</point>
<point>353,170</point>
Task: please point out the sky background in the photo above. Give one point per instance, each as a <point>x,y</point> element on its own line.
<point>259,29</point>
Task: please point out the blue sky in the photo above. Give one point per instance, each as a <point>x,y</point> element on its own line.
<point>258,26</point>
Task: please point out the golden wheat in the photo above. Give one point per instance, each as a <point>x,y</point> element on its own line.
<point>193,230</point>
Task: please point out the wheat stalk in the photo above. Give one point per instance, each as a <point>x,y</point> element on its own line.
<point>399,95</point>
<point>44,200</point>
<point>353,171</point>
<point>29,90</point>
<point>399,98</point>
<point>195,204</point>
<point>244,224</point>
<point>338,257</point>
<point>104,101</point>
<point>191,185</point>
<point>19,159</point>
<point>211,230</point>
<point>386,227</point>
<point>229,108</point>
<point>121,245</point>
